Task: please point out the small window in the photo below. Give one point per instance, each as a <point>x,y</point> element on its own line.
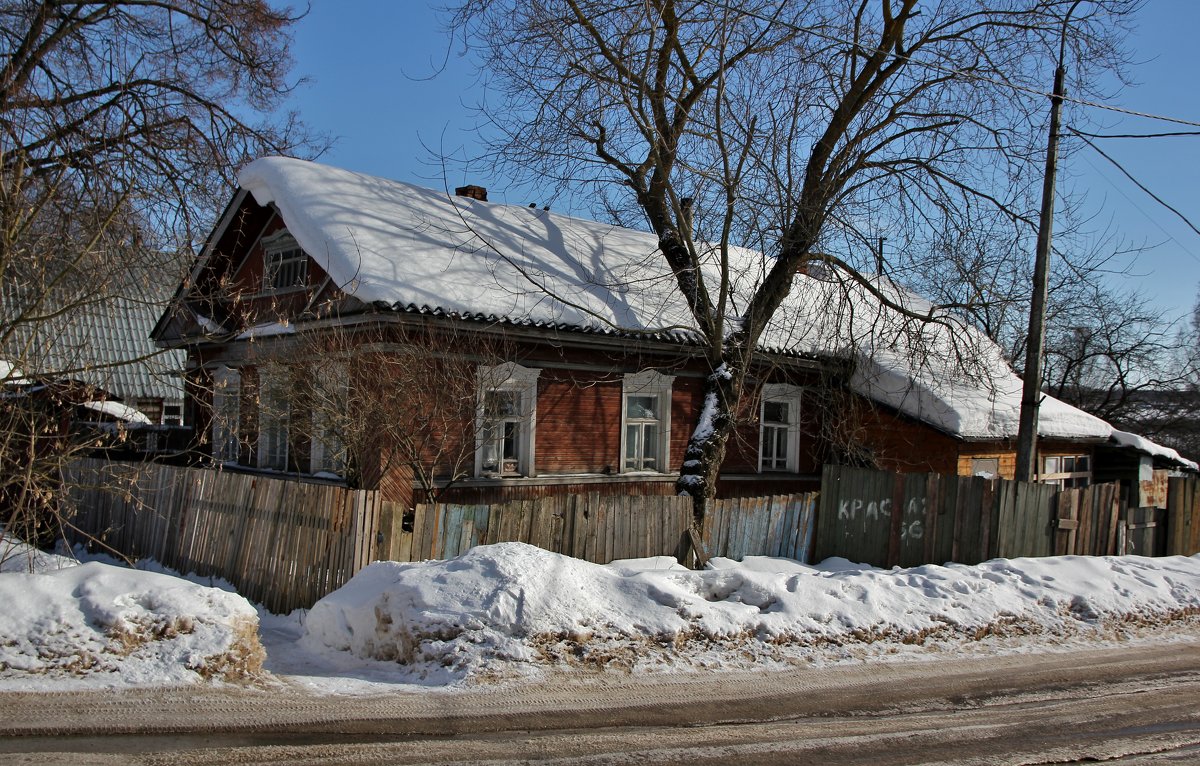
<point>986,467</point>
<point>779,427</point>
<point>173,414</point>
<point>1066,471</point>
<point>506,418</point>
<point>285,265</point>
<point>646,421</point>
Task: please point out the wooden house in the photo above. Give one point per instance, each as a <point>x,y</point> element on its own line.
<point>344,327</point>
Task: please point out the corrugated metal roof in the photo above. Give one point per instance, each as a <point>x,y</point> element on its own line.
<point>103,340</point>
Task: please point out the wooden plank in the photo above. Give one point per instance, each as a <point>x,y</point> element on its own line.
<point>541,511</point>
<point>452,536</point>
<point>623,529</point>
<point>391,517</point>
<point>1085,537</point>
<point>988,513</point>
<point>483,520</point>
<point>1112,505</point>
<point>896,521</point>
<point>563,535</point>
<point>1066,524</point>
<point>592,536</point>
<point>466,534</point>
<point>932,502</point>
<point>698,548</point>
<point>421,518</point>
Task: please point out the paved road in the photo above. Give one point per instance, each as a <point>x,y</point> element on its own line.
<point>1135,705</point>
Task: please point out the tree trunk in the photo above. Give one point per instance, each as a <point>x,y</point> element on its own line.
<point>706,448</point>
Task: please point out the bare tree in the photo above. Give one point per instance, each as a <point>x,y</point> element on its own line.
<point>783,125</point>
<point>375,404</point>
<point>121,125</point>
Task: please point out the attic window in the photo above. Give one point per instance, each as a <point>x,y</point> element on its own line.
<point>285,264</point>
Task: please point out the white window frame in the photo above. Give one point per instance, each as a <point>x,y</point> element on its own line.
<point>647,383</point>
<point>274,416</point>
<point>226,414</point>
<point>282,255</point>
<point>509,377</point>
<point>783,393</point>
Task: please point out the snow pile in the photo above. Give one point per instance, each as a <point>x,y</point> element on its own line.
<point>18,556</point>
<point>510,605</point>
<point>102,625</point>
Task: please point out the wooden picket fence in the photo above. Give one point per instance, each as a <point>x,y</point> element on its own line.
<point>888,519</point>
<point>605,528</point>
<point>284,544</point>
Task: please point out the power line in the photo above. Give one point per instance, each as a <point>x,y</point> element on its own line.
<point>1138,183</point>
<point>1139,135</point>
<point>1145,214</point>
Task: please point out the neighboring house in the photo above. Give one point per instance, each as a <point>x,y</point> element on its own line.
<point>580,369</point>
<point>104,342</point>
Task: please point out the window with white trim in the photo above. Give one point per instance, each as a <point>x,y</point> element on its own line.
<point>506,416</point>
<point>1066,471</point>
<point>779,428</point>
<point>226,414</point>
<point>285,264</point>
<point>274,414</point>
<point>646,421</point>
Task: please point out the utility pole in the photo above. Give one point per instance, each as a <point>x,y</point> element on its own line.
<point>1031,392</point>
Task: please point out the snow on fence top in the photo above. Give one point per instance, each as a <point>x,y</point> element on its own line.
<point>404,245</point>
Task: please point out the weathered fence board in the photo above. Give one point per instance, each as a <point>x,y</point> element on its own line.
<point>603,528</point>
<point>1089,521</point>
<point>285,543</point>
<point>1183,516</point>
<point>886,519</point>
<point>282,543</point>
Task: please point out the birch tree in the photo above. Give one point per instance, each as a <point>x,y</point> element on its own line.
<point>788,126</point>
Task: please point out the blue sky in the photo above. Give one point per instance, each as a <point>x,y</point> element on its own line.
<point>385,83</point>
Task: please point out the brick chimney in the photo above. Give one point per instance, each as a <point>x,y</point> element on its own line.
<point>472,191</point>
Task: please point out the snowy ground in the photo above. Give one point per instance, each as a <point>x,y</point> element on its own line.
<point>513,611</point>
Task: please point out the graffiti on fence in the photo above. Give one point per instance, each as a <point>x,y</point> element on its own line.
<point>881,511</point>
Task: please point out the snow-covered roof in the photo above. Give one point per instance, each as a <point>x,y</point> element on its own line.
<point>1142,444</point>
<point>406,246</point>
